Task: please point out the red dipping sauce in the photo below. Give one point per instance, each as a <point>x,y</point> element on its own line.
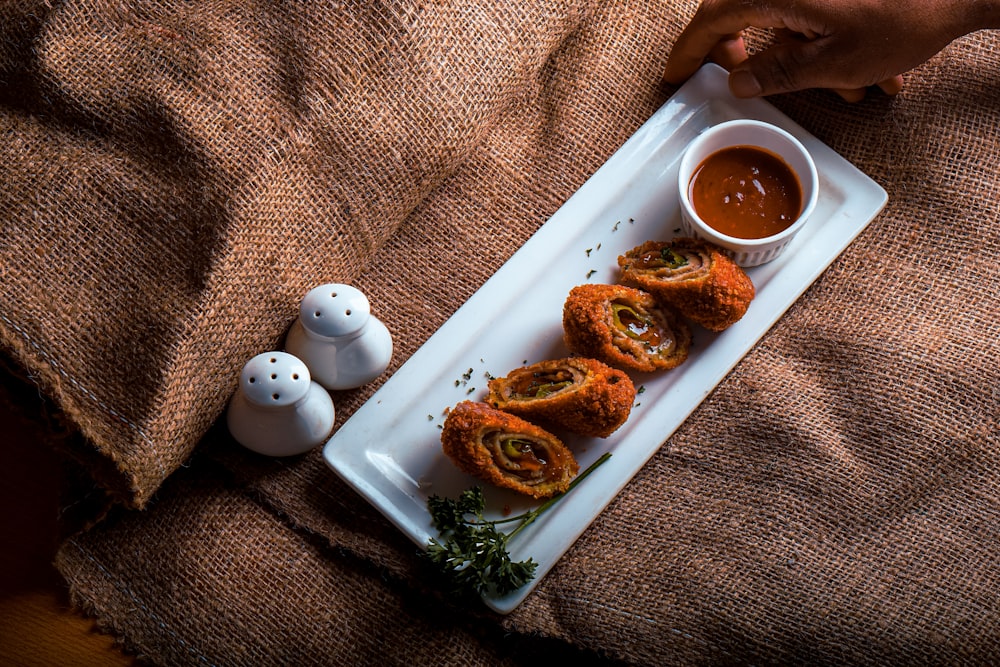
<point>746,192</point>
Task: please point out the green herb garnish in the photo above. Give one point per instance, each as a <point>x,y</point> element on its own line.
<point>547,388</point>
<point>472,555</point>
<point>671,258</point>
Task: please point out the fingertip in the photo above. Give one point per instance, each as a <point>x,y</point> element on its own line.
<point>678,71</point>
<point>743,83</point>
<point>851,95</point>
<point>669,78</point>
<point>892,86</point>
<point>729,52</point>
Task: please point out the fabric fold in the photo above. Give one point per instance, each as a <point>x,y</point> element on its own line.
<point>180,175</point>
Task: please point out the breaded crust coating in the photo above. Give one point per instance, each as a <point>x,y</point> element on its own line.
<point>624,327</point>
<point>696,277</point>
<point>505,450</point>
<point>582,395</point>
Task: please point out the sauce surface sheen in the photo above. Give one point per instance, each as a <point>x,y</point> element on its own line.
<point>746,192</point>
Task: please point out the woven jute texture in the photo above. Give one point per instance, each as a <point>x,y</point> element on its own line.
<point>177,175</point>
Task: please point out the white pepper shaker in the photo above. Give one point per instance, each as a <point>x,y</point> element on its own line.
<point>278,410</point>
<point>338,338</point>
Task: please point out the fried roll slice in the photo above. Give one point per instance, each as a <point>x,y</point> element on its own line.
<point>624,327</point>
<point>505,450</point>
<point>697,278</point>
<point>585,396</point>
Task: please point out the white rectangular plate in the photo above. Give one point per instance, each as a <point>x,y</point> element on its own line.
<point>390,449</point>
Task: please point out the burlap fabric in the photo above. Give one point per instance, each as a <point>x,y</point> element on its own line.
<point>177,176</point>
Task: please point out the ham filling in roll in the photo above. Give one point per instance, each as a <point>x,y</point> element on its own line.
<point>624,327</point>
<point>507,451</point>
<point>693,276</point>
<point>582,395</point>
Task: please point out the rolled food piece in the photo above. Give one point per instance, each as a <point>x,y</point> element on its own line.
<point>696,277</point>
<point>505,450</point>
<point>624,327</point>
<point>582,395</point>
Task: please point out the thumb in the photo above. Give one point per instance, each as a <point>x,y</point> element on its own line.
<point>782,68</point>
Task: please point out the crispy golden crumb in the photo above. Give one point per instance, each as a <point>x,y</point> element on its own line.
<point>697,278</point>
<point>582,395</point>
<point>505,450</point>
<point>624,327</point>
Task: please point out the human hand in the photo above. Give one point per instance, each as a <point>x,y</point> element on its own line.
<point>843,45</point>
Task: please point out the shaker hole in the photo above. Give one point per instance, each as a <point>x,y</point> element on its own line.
<point>347,312</point>
<point>275,396</point>
<point>272,360</point>
<point>295,376</point>
<point>318,313</point>
<point>252,379</point>
<point>333,295</point>
<point>274,376</point>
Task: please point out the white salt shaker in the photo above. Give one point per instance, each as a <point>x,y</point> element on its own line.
<point>278,410</point>
<point>338,338</point>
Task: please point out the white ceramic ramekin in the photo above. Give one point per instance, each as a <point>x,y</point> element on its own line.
<point>746,132</point>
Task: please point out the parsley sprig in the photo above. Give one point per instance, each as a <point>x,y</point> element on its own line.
<point>472,555</point>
